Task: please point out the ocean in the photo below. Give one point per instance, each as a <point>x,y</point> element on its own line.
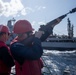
<point>57,63</point>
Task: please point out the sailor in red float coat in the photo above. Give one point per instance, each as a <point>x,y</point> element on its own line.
<point>29,66</point>
<point>27,57</point>
<point>6,61</point>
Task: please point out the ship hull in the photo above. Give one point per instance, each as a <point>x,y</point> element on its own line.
<point>59,45</point>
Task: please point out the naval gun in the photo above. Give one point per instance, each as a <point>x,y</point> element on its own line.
<point>48,28</point>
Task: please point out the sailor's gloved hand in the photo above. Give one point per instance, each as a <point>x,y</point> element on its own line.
<point>38,34</point>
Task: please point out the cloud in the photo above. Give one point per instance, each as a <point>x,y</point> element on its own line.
<point>16,8</point>
<point>41,23</point>
<point>27,10</point>
<point>40,7</point>
<point>11,8</point>
<point>38,23</point>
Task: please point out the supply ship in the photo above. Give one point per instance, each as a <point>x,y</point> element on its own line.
<point>62,42</point>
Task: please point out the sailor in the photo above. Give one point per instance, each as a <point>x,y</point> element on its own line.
<point>6,61</point>
<point>27,57</point>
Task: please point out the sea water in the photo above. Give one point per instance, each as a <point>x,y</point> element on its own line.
<point>57,63</point>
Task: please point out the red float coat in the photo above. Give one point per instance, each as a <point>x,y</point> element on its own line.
<point>3,67</point>
<point>29,67</point>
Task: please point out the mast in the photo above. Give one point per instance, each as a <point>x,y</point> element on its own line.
<point>10,24</point>
<point>70,29</point>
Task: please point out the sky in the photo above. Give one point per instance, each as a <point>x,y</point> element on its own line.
<point>39,12</point>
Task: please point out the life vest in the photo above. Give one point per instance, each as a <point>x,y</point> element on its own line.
<point>29,67</point>
<point>3,67</point>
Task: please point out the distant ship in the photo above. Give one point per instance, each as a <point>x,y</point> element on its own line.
<point>56,43</point>
<point>63,42</point>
